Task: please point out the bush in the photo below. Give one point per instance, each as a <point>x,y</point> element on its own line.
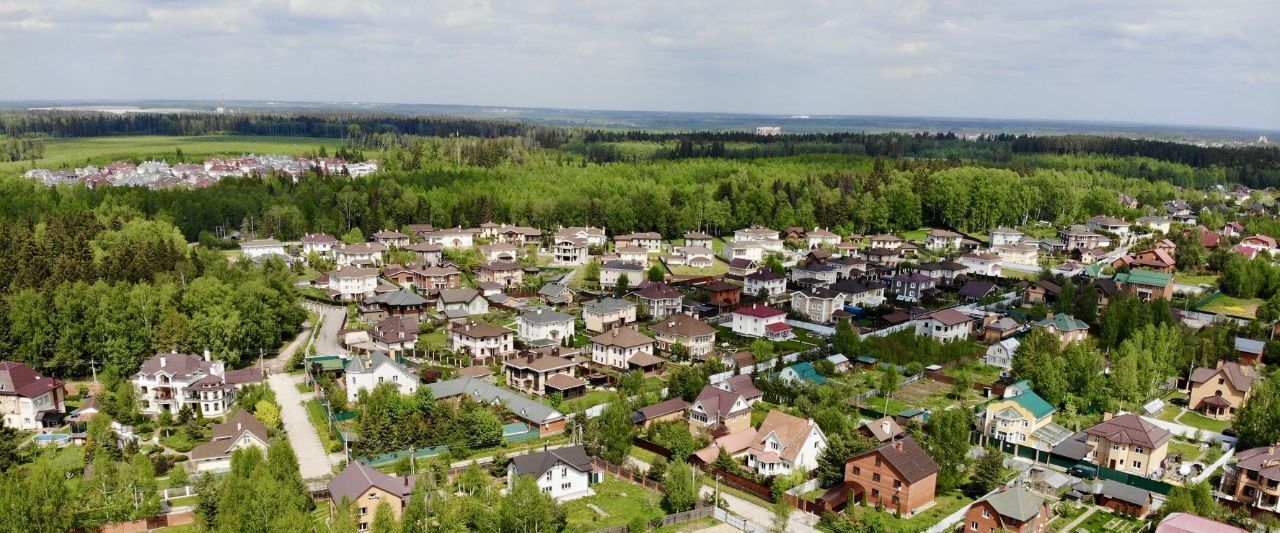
<point>638,525</point>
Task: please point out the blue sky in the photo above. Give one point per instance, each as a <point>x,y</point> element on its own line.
<point>1167,61</point>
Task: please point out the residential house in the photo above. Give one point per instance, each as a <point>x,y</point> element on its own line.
<point>765,282</point>
<point>395,334</point>
<point>1041,292</point>
<point>499,251</point>
<point>942,271</point>
<point>721,293</point>
<point>998,329</point>
<point>898,475</point>
<point>692,256</point>
<point>651,241</point>
<point>945,326</point>
<point>240,431</point>
<point>1155,224</point>
<point>460,303</point>
<point>761,321</point>
<point>612,271</point>
<point>513,235</point>
<point>544,374</point>
<point>1189,523</point>
<point>481,341</point>
<point>624,348</point>
<point>814,275</point>
<point>1002,236</point>
<point>742,267</point>
<point>603,314</point>
<point>821,238</point>
<point>881,430</point>
<point>505,273</point>
<point>1066,328</point>
<point>755,233</point>
<point>633,254</point>
<point>717,411</point>
<point>397,303</point>
<point>563,473</point>
<point>818,304</point>
<point>261,248</point>
<point>1082,238</point>
<point>698,239</point>
<point>429,279</point>
<point>590,236</point>
<point>940,239</point>
<point>801,373</point>
<point>1231,229</point>
<point>1018,254</point>
<point>1249,351</point>
<point>1254,479</point>
<point>983,264</point>
<point>1127,443</point>
<point>542,323</point>
<point>666,411</point>
<point>1220,391</point>
<point>912,287</point>
<point>1157,259</point>
<point>363,254</point>
<point>1260,243</point>
<point>522,408</point>
<point>391,239</point>
<point>752,249</point>
<point>453,238</point>
<point>570,251</point>
<point>28,400</point>
<point>974,290</point>
<point>1123,498</point>
<point>319,243</point>
<point>1001,353</point>
<point>353,284</point>
<point>366,488</point>
<point>170,381</point>
<point>1108,224</point>
<point>1146,284</point>
<point>886,242</point>
<point>861,294</point>
<point>421,230</point>
<point>662,300</point>
<point>555,294</point>
<point>742,385</point>
<point>1016,510</point>
<point>1023,417</point>
<point>784,444</point>
<point>364,373</point>
<point>695,335</point>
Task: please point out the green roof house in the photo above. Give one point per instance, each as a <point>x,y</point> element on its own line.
<point>801,372</point>
<point>1065,327</point>
<point>1146,284</point>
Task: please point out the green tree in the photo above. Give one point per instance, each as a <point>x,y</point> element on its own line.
<point>839,448</point>
<point>353,236</point>
<point>631,383</point>
<point>657,273</point>
<point>682,492</point>
<point>484,428</point>
<point>621,286</point>
<point>178,476</point>
<point>762,350</point>
<point>267,413</point>
<point>988,473</point>
<point>1257,423</point>
<point>414,519</point>
<point>528,510</point>
<point>947,440</point>
<point>591,272</point>
<point>889,380</point>
<point>383,520</point>
<point>616,430</point>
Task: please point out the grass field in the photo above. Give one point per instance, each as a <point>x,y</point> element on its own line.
<point>717,268</point>
<point>1100,522</point>
<point>944,505</point>
<point>98,150</point>
<point>1190,452</point>
<point>1196,279</point>
<point>622,502</point>
<point>1196,420</point>
<point>1231,306</point>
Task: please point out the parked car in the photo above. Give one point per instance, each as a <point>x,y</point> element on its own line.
<point>1084,471</point>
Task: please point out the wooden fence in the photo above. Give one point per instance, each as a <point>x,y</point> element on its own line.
<point>764,492</point>
<point>625,475</point>
<point>669,520</point>
<point>148,524</point>
<point>644,444</point>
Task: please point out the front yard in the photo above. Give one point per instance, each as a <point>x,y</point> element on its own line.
<point>943,506</point>
<point>620,501</point>
<point>1104,522</point>
<point>590,399</point>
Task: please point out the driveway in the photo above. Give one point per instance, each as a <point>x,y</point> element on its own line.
<point>332,320</point>
<point>313,461</point>
<point>799,521</point>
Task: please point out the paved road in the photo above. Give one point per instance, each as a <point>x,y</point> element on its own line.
<point>333,319</point>
<point>312,459</point>
<point>799,521</point>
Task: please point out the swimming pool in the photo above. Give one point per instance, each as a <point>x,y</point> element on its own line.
<point>52,438</point>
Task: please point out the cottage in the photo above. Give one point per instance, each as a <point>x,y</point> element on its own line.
<point>1002,236</point>
<point>998,329</point>
<point>544,417</point>
<point>1066,328</point>
<point>1108,224</point>
<point>499,251</point>
<point>1123,498</point>
<point>818,304</point>
<point>1146,284</point>
<point>1001,353</point>
<point>262,248</point>
<point>1219,392</point>
<point>784,444</point>
<point>662,300</point>
<point>801,373</point>
<point>650,241</point>
<point>353,284</point>
<point>395,334</point>
<point>940,239</point>
<point>881,430</point>
<point>666,411</point>
<point>721,293</point>
<point>818,238</point>
<point>390,239</point>
<point>29,400</point>
<point>761,321</point>
<point>365,254</point>
<point>1157,259</point>
<point>240,431</point>
<point>556,294</point>
<point>170,381</point>
<point>861,294</point>
<point>1261,243</point>
<point>398,303</point>
<point>366,487</point>
<point>814,275</point>
<point>318,243</point>
<point>510,234</point>
<point>1015,509</point>
<point>693,257</point>
<point>742,267</point>
<point>912,287</point>
<point>945,326</point>
<point>504,273</point>
<point>563,473</point>
<point>544,374</point>
<point>454,238</point>
<point>363,373</point>
<point>897,474</point>
<point>1041,292</point>
<point>1253,479</point>
<point>976,290</point>
<point>1127,443</point>
<point>570,251</point>
<point>624,348</point>
<point>1082,238</point>
<point>461,303</point>
<point>765,283</point>
<point>1189,523</point>
<point>1155,224</point>
<point>698,239</point>
<point>1023,417</point>
<point>755,233</point>
<point>717,411</point>
<point>481,341</point>
<point>694,335</point>
<point>590,236</point>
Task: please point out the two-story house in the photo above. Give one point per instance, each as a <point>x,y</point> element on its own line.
<point>1221,391</point>
<point>761,321</point>
<point>499,251</point>
<point>366,487</point>
<point>718,411</point>
<point>662,300</point>
<point>29,400</point>
<point>319,243</point>
<point>1066,328</point>
<point>603,314</point>
<point>1254,479</point>
<point>391,238</point>
<point>485,342</point>
<point>981,263</point>
<point>261,248</point>
<point>698,239</point>
<point>897,474</point>
<point>860,293</point>
<point>364,372</point>
<point>171,381</point>
<point>612,271</point>
<point>362,254</point>
<point>543,323</point>
<point>695,335</point>
<point>1001,236</point>
<point>818,304</point>
<point>945,326</point>
<point>562,473</point>
<point>766,283</point>
<point>941,239</point>
<point>1016,510</point>
<point>1146,284</point>
<point>541,374</point>
<point>651,241</point>
<point>623,348</point>
<point>784,444</point>
<point>1023,417</point>
<point>240,431</point>
<point>353,284</point>
<point>1127,443</point>
<point>504,273</point>
<point>459,303</point>
<point>912,287</point>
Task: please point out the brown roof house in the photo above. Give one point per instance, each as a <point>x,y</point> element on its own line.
<point>1254,479</point>
<point>670,410</point>
<point>897,474</point>
<point>695,335</point>
<point>29,400</point>
<point>624,348</point>
<point>240,431</point>
<point>540,375</point>
<point>1124,498</point>
<point>1015,509</point>
<point>1127,443</point>
<point>881,429</point>
<point>1219,392</point>
<point>718,412</point>
<point>367,488</point>
<point>784,444</point>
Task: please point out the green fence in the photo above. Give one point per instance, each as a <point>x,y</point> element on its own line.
<point>1040,456</point>
<point>389,458</point>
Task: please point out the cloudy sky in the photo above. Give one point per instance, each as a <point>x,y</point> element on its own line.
<point>1164,61</point>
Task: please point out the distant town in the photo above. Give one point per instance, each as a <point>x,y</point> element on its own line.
<point>161,175</point>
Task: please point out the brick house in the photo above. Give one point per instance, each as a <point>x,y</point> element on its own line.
<point>1127,443</point>
<point>897,474</point>
<point>1219,392</point>
<point>1016,510</point>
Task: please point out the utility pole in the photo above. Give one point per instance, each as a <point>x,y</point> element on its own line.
<point>93,365</point>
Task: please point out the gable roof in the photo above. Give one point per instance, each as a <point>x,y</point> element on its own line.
<point>478,330</point>
<point>806,372</point>
<point>358,478</point>
<point>1063,322</point>
<point>683,325</point>
<point>606,305</point>
<point>1189,523</point>
<point>22,380</point>
<point>1234,373</point>
<point>758,311</point>
<point>658,291</point>
<point>455,296</point>
<point>880,431</point>
<point>1131,429</point>
<point>536,464</point>
<point>1142,276</point>
<point>656,410</point>
<point>624,337</point>
<point>1017,503</point>
<point>1125,493</point>
<point>743,385</point>
<point>977,289</point>
<point>1032,402</point>
<point>791,432</point>
<point>485,392</point>
<point>226,434</point>
<point>718,402</point>
<point>906,457</point>
<point>948,317</point>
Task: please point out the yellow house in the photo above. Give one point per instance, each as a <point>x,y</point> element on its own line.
<point>1219,392</point>
<point>1023,417</point>
<point>1127,443</point>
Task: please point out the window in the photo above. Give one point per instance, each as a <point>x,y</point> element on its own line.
<point>875,493</point>
<point>896,500</point>
<point>565,486</point>
<point>857,471</point>
<point>1115,447</point>
<point>363,526</point>
<point>877,461</point>
<point>897,483</point>
<point>564,472</point>
<point>364,511</point>
<point>548,475</point>
<point>546,489</point>
<point>974,526</point>
<point>374,496</point>
<point>875,477</point>
<point>986,513</point>
<point>1137,464</point>
<point>1139,449</point>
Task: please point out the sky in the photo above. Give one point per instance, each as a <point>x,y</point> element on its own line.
<point>1190,62</point>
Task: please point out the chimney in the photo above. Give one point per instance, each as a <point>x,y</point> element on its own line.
<point>810,420</point>
<point>897,444</point>
<point>885,426</point>
<point>206,354</point>
<point>1107,416</point>
<point>238,428</point>
<point>162,361</point>
<point>671,324</point>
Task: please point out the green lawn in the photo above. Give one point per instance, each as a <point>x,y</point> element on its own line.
<point>1101,522</point>
<point>1189,451</point>
<point>1073,512</point>
<point>590,399</point>
<point>1230,306</point>
<point>315,412</point>
<point>1196,420</point>
<point>643,455</point>
<point>1018,274</point>
<point>943,506</point>
<point>80,151</point>
<point>717,268</point>
<point>1197,278</point>
<point>183,501</point>
<point>622,501</point>
<point>180,441</point>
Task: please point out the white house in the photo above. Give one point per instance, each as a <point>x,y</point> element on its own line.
<point>544,323</point>
<point>365,253</point>
<point>761,321</point>
<point>618,346</point>
<point>941,239</point>
<point>772,283</point>
<point>451,238</point>
<point>695,335</point>
<point>319,243</point>
<point>984,264</point>
<point>457,303</point>
<point>350,283</point>
<point>945,325</point>
<point>1018,254</point>
<point>28,398</point>
<point>692,256</point>
<point>482,341</point>
<point>570,251</point>
<point>170,381</point>
<point>818,238</point>
<point>817,304</point>
<point>651,241</point>
<point>591,236</point>
<point>820,274</point>
<point>1108,224</point>
<point>366,372</point>
<point>1001,353</point>
<point>662,300</point>
<point>634,254</point>
<point>755,233</point>
<point>261,248</point>
<point>563,473</point>
<point>785,443</point>
<point>860,294</point>
<point>611,271</point>
<point>1001,236</point>
<point>239,432</point>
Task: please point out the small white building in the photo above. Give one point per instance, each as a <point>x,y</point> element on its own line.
<point>941,239</point>
<point>563,473</point>
<point>984,264</point>
<point>821,237</point>
<point>945,326</point>
<point>545,323</point>
<point>454,238</point>
<point>604,314</point>
<point>363,373</point>
<point>262,248</point>
<point>772,283</point>
<point>761,321</point>
<point>612,271</point>
<point>1001,236</point>
<point>1001,353</point>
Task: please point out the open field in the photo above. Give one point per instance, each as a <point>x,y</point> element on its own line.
<point>1237,307</point>
<point>622,501</point>
<point>98,150</point>
<point>1196,279</point>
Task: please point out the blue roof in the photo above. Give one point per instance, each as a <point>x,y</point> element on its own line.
<point>867,359</point>
<point>807,373</point>
<point>1249,345</point>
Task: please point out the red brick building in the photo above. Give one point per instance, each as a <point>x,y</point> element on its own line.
<point>897,474</point>
<point>1016,510</point>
